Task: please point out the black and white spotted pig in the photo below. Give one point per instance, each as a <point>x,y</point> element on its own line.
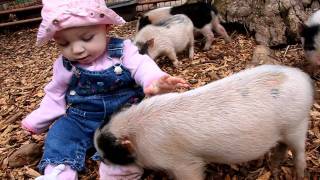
<point>168,37</point>
<point>232,120</point>
<point>203,16</point>
<point>310,37</point>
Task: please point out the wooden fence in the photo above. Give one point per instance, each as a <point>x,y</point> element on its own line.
<point>16,12</point>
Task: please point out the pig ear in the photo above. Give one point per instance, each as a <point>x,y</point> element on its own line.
<point>127,144</point>
<point>150,42</point>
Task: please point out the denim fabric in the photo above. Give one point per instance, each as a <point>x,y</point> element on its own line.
<point>92,97</point>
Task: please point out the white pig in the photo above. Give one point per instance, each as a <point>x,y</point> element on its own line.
<point>232,120</point>
<point>166,38</point>
<point>203,16</point>
<point>310,37</point>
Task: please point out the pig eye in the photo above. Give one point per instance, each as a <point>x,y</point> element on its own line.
<point>143,49</point>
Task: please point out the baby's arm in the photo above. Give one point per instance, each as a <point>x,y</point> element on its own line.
<point>53,104</point>
<point>148,74</point>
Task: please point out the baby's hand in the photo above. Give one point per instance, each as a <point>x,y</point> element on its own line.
<point>54,174</point>
<point>28,129</point>
<point>27,132</point>
<point>165,84</point>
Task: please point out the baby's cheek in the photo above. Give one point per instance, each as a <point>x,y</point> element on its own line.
<point>67,53</point>
<point>97,47</point>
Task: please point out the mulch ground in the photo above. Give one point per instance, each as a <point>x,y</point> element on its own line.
<point>25,69</point>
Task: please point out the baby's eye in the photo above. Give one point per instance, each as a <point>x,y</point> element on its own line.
<point>87,38</point>
<point>64,44</point>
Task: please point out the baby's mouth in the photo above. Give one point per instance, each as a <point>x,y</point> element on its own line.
<point>84,60</point>
<point>81,59</point>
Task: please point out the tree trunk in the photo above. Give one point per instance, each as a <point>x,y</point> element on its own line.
<point>274,22</point>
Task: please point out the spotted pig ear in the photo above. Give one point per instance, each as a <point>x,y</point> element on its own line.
<point>127,144</point>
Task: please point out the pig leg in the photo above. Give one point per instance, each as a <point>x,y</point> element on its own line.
<point>207,33</point>
<point>172,56</point>
<point>295,139</point>
<point>217,27</point>
<point>191,47</point>
<point>278,156</point>
<point>189,171</point>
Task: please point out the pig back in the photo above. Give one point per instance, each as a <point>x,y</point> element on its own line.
<point>177,30</point>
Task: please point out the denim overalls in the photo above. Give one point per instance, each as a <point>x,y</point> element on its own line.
<point>92,97</point>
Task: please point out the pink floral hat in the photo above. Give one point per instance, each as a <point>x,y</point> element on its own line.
<point>62,14</point>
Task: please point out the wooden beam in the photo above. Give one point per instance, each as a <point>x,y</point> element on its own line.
<point>20,22</point>
<point>20,9</point>
<point>141,2</point>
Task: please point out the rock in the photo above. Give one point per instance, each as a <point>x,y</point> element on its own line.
<point>262,55</point>
<point>273,22</point>
<point>26,154</point>
<point>193,81</point>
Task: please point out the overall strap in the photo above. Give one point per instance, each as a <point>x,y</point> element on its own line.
<point>69,66</point>
<point>66,63</point>
<point>115,47</point>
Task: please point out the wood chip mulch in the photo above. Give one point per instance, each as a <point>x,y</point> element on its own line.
<point>25,69</point>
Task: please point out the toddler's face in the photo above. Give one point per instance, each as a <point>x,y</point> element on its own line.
<point>82,44</point>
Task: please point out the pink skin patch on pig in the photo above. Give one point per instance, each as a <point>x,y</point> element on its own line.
<point>275,79</point>
<point>270,81</point>
<point>274,82</point>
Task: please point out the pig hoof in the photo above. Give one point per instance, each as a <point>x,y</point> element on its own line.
<point>191,56</point>
<point>206,48</point>
<point>177,64</point>
<point>228,40</point>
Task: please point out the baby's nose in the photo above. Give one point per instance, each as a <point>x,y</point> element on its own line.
<point>77,48</point>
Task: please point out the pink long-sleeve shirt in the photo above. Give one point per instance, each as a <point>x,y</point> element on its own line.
<point>143,69</point>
